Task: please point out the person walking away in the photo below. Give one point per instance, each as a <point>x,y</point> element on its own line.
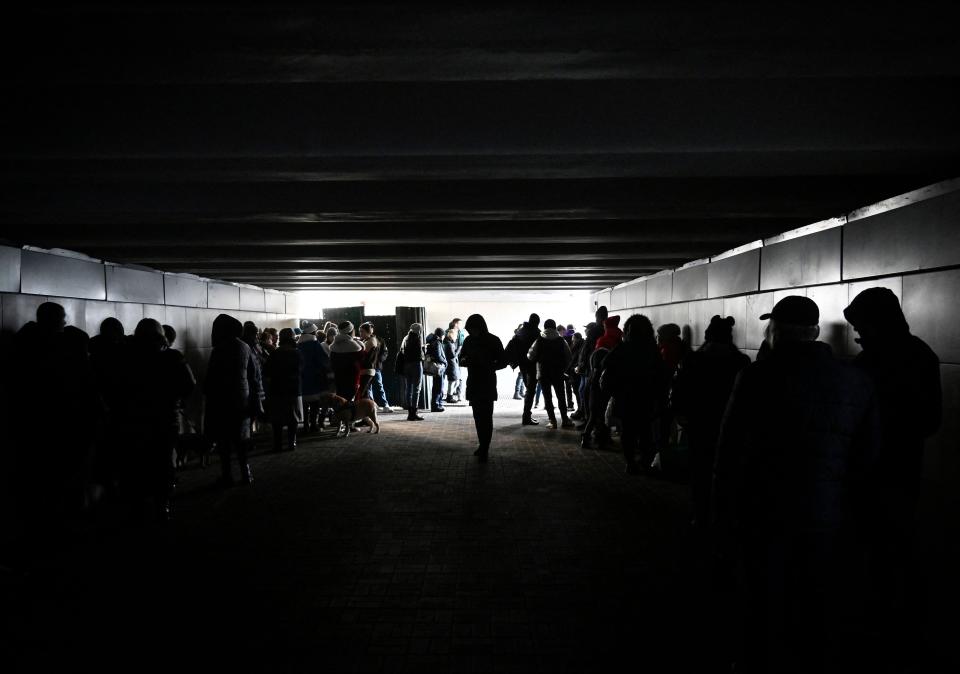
<point>155,380</point>
<point>345,355</point>
<point>283,370</point>
<point>452,353</point>
<point>906,374</point>
<point>482,355</point>
<point>798,439</point>
<point>411,368</point>
<point>636,378</point>
<point>436,357</point>
<point>551,355</point>
<point>517,350</point>
<point>314,375</point>
<point>699,398</point>
<point>234,396</point>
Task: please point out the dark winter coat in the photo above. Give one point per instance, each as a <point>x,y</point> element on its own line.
<point>702,389</point>
<point>282,369</point>
<point>551,355</point>
<point>154,382</point>
<point>798,437</point>
<point>589,344</point>
<point>612,334</point>
<point>452,352</point>
<point>635,376</point>
<point>482,355</point>
<point>519,347</point>
<point>315,366</point>
<point>233,386</point>
<point>437,353</point>
<point>107,363</point>
<point>345,355</point>
<point>412,348</point>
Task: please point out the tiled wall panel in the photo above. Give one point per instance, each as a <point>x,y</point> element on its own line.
<point>252,299</point>
<point>929,303</point>
<point>618,299</point>
<point>832,299</point>
<point>9,269</point>
<point>134,285</point>
<point>660,289</point>
<point>56,275</point>
<point>274,302</point>
<point>690,283</point>
<point>184,291</point>
<point>637,294</point>
<point>19,310</point>
<point>737,307</point>
<point>223,296</point>
<point>757,305</point>
<point>734,275</point>
<point>807,260</point>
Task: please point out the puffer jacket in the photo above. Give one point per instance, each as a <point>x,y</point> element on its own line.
<point>315,366</point>
<point>590,337</point>
<point>345,355</point>
<point>518,348</point>
<point>800,433</point>
<point>551,355</point>
<point>612,334</point>
<point>452,352</point>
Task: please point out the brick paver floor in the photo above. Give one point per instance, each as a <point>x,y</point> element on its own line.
<point>398,552</point>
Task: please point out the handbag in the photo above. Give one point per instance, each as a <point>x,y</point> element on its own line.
<point>430,366</point>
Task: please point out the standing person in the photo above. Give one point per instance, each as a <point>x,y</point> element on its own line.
<point>330,334</point>
<point>107,362</point>
<point>438,361</point>
<point>411,351</point>
<point>283,370</point>
<point>699,398</point>
<point>598,400</point>
<point>251,336</point>
<point>345,355</point>
<point>517,350</point>
<point>369,360</point>
<point>797,441</point>
<point>635,376</point>
<point>593,332</point>
<point>551,355</point>
<point>154,382</point>
<point>452,352</point>
<point>234,396</point>
<point>567,335</point>
<point>376,385</point>
<point>519,387</point>
<point>314,375</point>
<point>457,392</point>
<point>482,355</point>
<point>573,378</point>
<point>906,374</point>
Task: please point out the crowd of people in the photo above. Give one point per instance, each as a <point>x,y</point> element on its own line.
<point>796,460</point>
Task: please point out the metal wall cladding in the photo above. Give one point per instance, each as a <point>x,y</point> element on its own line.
<point>129,314</point>
<point>134,285</point>
<point>660,289</point>
<point>18,310</point>
<point>97,312</point>
<point>832,300</point>
<point>158,312</point>
<point>75,310</point>
<point>637,294</point>
<point>807,260</point>
<point>690,283</point>
<point>923,235</point>
<point>184,291</point>
<point>9,269</point>
<point>274,302</point>
<point>223,296</point>
<point>292,304</point>
<point>252,299</point>
<point>734,275</point>
<point>737,307</point>
<point>757,305</point>
<point>45,274</point>
<point>894,283</point>
<point>941,458</point>
<point>699,318</point>
<point>618,299</point>
<point>929,302</point>
<point>604,298</point>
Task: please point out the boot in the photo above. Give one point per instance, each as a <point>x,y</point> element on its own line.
<point>482,453</point>
<point>517,396</point>
<point>292,438</point>
<point>529,421</point>
<point>245,474</point>
<point>585,441</point>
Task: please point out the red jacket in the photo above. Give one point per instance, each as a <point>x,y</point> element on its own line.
<point>612,334</point>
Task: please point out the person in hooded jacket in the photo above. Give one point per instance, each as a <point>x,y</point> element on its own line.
<point>233,390</point>
<point>410,364</point>
<point>612,334</point>
<point>346,353</point>
<point>155,381</point>
<point>482,354</point>
<point>283,371</point>
<point>438,356</point>
<point>452,353</point>
<point>106,360</point>
<point>596,424</point>
<point>552,357</point>
<point>699,398</point>
<point>573,378</point>
<point>593,332</point>
<point>906,374</point>
<point>517,350</point>
<point>314,375</point>
<point>635,376</point>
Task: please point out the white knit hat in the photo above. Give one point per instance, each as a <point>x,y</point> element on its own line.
<point>416,327</point>
<point>310,328</point>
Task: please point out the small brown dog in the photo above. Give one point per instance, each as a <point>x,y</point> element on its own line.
<point>346,413</point>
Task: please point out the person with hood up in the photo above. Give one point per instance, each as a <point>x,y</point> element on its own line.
<point>635,377</point>
<point>593,332</point>
<point>234,396</point>
<point>797,445</point>
<point>699,398</point>
<point>283,369</point>
<point>315,375</point>
<point>906,374</point>
<point>154,382</point>
<point>410,364</point>
<point>482,355</point>
<point>612,334</point>
<point>517,350</point>
<point>438,360</point>
<point>552,357</point>
<point>345,355</point>
<point>452,353</point>
<point>107,362</point>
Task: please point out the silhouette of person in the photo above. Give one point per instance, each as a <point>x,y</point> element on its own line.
<point>234,396</point>
<point>906,373</point>
<point>282,369</point>
<point>552,357</point>
<point>636,377</point>
<point>482,354</point>
<point>699,398</point>
<point>517,350</point>
<point>797,440</point>
<point>107,362</point>
<point>154,382</point>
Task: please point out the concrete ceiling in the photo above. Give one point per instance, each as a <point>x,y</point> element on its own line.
<point>382,147</point>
